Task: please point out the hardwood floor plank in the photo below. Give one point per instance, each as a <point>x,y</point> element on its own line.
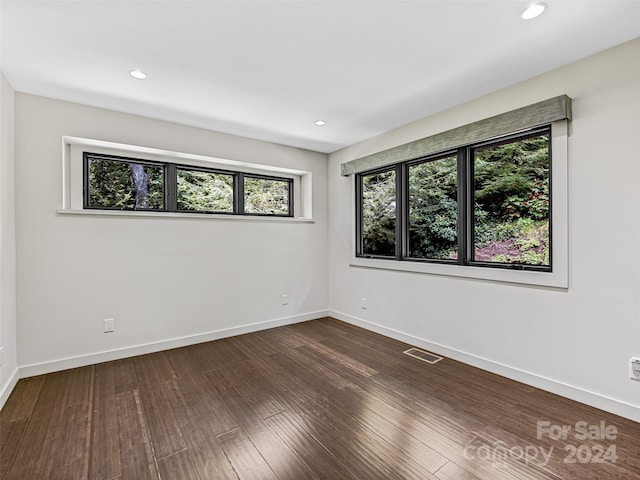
<point>125,376</point>
<point>280,458</point>
<point>221,354</point>
<point>451,471</point>
<point>163,428</point>
<point>256,388</point>
<point>153,368</point>
<point>11,435</point>
<point>177,467</point>
<point>62,426</point>
<point>197,395</point>
<point>312,452</point>
<point>104,452</point>
<point>23,399</point>
<point>199,426</point>
<point>37,431</point>
<point>136,452</point>
<point>244,457</point>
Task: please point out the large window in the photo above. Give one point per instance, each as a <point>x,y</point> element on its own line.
<point>486,204</point>
<point>120,183</point>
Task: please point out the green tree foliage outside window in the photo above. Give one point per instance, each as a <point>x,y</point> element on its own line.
<point>433,209</point>
<point>379,213</point>
<point>512,194</point>
<point>121,185</point>
<point>265,196</point>
<point>204,191</point>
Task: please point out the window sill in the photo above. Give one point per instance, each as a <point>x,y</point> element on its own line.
<point>201,216</point>
<point>556,280</point>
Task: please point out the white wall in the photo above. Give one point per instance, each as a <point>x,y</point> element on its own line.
<point>575,341</point>
<point>9,368</point>
<point>160,278</point>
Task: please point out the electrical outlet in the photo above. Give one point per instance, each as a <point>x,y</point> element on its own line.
<point>109,325</point>
<point>1,355</point>
<point>285,299</point>
<point>363,303</point>
<point>634,369</point>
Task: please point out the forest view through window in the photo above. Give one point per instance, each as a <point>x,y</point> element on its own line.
<point>119,183</point>
<point>486,204</point>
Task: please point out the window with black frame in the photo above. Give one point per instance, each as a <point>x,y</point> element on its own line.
<point>266,196</point>
<point>120,183</point>
<point>204,191</point>
<point>378,213</point>
<point>433,208</point>
<point>485,204</point>
<point>511,198</point>
<point>117,183</point>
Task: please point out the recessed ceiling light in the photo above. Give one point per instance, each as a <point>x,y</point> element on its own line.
<point>533,10</point>
<point>320,123</point>
<point>139,74</point>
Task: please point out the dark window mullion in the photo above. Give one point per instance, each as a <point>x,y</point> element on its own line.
<point>359,199</point>
<point>171,187</point>
<point>402,211</point>
<point>463,206</point>
<point>85,181</point>
<point>238,201</point>
<point>470,203</point>
<point>291,204</point>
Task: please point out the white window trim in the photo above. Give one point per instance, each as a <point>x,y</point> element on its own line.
<point>72,179</point>
<point>558,278</point>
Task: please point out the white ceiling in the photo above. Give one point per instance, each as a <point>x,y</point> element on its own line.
<point>268,70</point>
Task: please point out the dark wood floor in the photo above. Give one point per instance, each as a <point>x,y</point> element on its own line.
<point>317,400</point>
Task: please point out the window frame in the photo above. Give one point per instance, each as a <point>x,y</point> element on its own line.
<point>71,181</point>
<point>241,193</point>
<point>360,217</point>
<point>170,170</point>
<point>406,214</point>
<point>465,264</point>
<point>173,169</point>
<point>86,194</point>
<point>470,210</point>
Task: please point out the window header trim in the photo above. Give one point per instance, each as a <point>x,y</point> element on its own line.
<point>524,118</point>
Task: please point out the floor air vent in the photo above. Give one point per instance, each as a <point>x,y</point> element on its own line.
<point>422,355</point>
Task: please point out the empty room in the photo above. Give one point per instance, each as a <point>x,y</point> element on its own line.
<point>341,240</point>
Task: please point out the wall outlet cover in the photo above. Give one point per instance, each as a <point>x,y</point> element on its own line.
<point>109,325</point>
<point>634,369</point>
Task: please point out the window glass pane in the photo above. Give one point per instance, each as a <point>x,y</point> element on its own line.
<point>266,196</point>
<point>379,213</point>
<point>204,191</point>
<point>124,185</point>
<point>433,209</point>
<point>511,192</point>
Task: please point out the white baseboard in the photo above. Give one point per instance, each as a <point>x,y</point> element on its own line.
<point>596,400</point>
<point>106,356</point>
<point>8,387</point>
